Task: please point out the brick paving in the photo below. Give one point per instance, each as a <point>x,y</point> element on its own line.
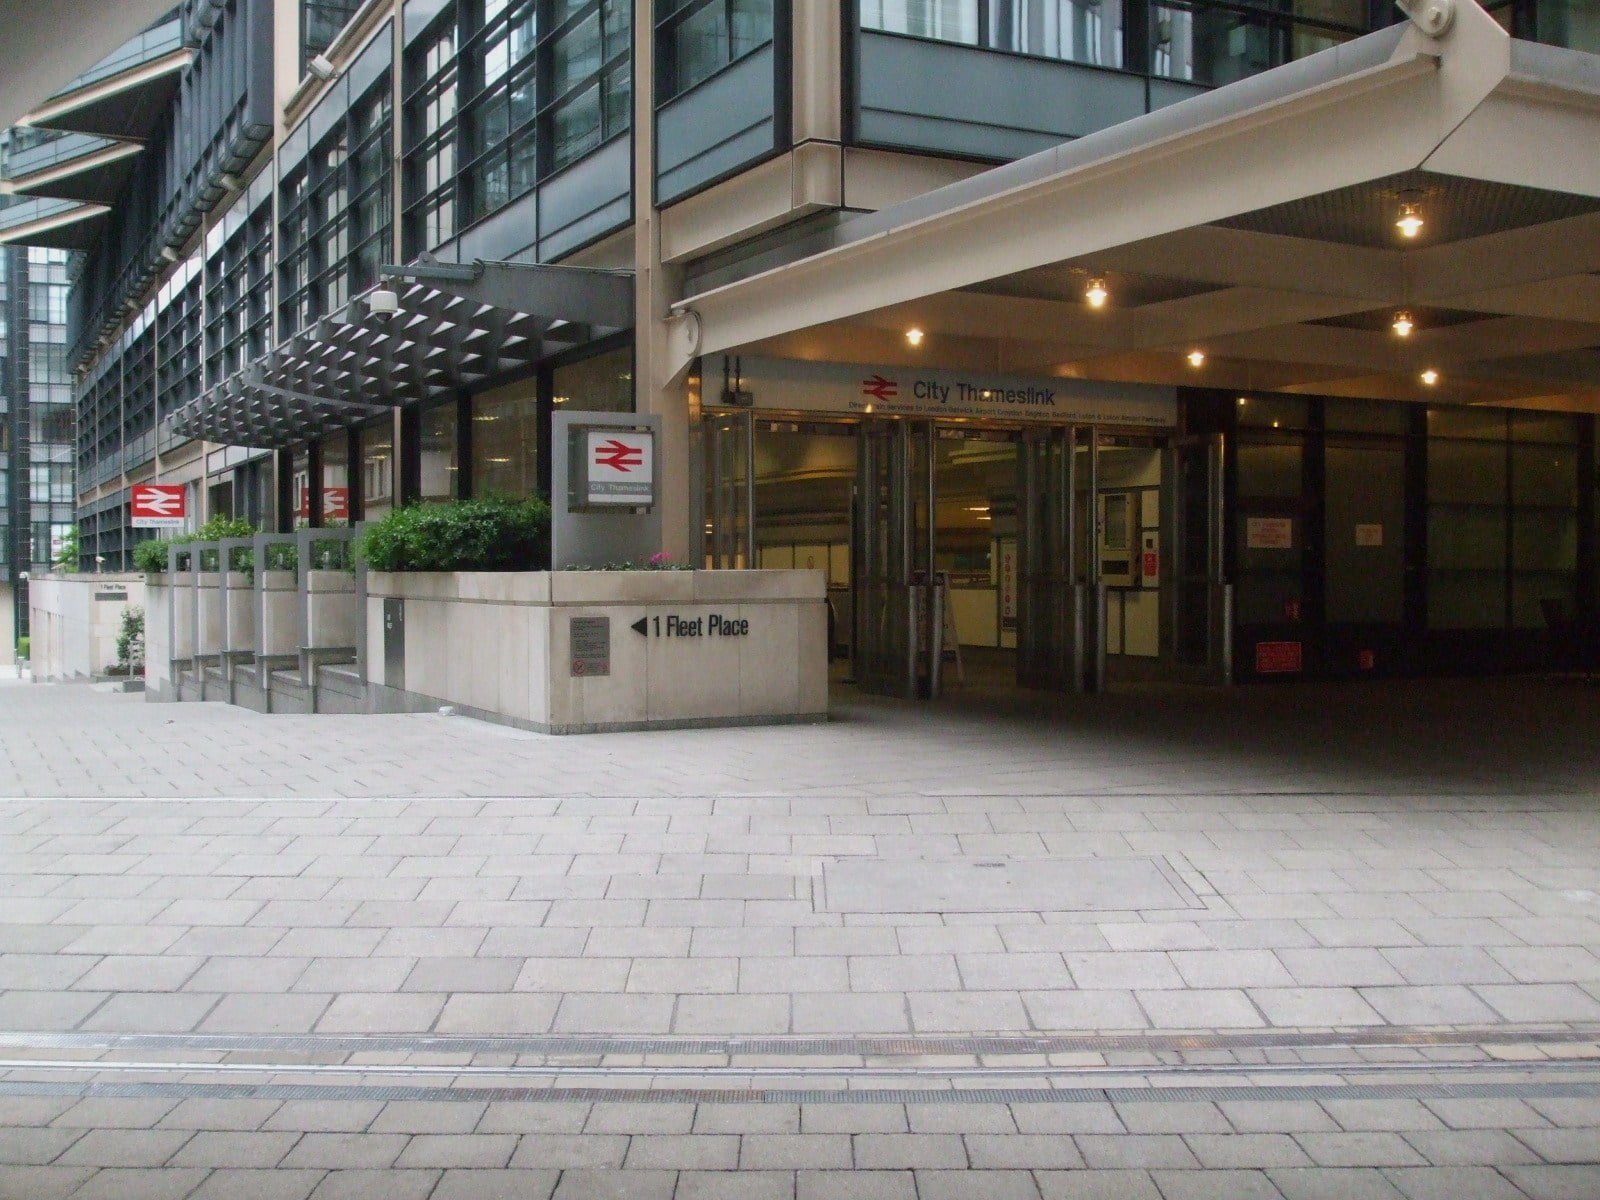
<point>1377,857</point>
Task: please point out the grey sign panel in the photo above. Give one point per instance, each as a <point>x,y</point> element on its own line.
<point>394,641</point>
<point>591,646</point>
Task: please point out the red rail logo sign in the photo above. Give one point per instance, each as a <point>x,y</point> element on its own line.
<point>619,456</point>
<point>158,505</point>
<point>879,388</point>
<point>335,504</point>
<point>621,468</point>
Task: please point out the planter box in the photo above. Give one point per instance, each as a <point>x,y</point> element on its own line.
<point>675,648</point>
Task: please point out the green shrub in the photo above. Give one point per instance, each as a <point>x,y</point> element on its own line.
<point>151,556</point>
<point>495,533</point>
<point>130,640</point>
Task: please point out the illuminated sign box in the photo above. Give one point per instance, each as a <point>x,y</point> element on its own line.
<point>611,468</point>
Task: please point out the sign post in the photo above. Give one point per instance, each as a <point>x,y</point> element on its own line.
<point>604,489</point>
<point>159,505</point>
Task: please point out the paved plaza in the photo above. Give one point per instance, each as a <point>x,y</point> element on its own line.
<point>1318,941</point>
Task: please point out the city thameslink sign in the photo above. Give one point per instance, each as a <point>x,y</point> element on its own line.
<point>619,467</point>
<point>794,386</point>
<point>158,505</point>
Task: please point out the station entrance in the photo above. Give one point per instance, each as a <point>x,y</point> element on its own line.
<point>975,554</point>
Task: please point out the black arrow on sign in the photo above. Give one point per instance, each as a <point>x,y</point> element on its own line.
<point>641,627</point>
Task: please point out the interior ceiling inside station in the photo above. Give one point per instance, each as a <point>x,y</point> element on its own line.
<point>1503,283</point>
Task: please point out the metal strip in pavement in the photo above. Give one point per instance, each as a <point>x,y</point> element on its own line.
<point>1530,1090</point>
<point>30,1066</point>
<point>558,1045</point>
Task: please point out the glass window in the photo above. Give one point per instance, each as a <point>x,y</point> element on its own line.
<point>1086,31</point>
<point>1364,547</point>
<point>1366,416</point>
<point>946,20</point>
<point>505,442</point>
<point>600,384</point>
<point>320,23</point>
<point>1269,470</point>
<point>377,468</point>
<point>697,38</point>
<point>440,464</point>
<point>336,480</point>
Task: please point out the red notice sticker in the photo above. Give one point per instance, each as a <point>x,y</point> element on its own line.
<point>1279,658</point>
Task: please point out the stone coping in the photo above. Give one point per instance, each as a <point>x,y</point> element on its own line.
<point>599,587</point>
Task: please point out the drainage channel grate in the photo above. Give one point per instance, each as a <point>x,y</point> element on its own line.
<point>1511,1090</point>
<point>557,1045</point>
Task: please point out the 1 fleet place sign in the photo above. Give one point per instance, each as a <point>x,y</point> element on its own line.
<point>159,505</point>
<point>619,467</point>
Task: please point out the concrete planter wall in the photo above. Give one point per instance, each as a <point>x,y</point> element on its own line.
<point>717,647</point>
<point>241,602</point>
<point>165,631</point>
<point>280,622</point>
<point>74,621</point>
<point>330,609</point>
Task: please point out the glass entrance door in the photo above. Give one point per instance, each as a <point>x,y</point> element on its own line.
<point>898,630</point>
<point>1049,626</point>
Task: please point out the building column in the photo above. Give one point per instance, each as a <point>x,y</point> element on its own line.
<point>656,391</point>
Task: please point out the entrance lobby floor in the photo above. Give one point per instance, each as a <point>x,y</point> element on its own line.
<point>1328,940</point>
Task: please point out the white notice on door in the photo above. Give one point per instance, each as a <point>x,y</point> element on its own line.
<point>1269,533</point>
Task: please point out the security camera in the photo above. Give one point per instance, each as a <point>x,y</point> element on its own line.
<point>383,303</point>
<point>321,67</point>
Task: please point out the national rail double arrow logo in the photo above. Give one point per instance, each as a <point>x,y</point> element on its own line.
<point>162,504</point>
<point>879,388</point>
<point>619,456</point>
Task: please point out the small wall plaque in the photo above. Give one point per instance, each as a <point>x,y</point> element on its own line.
<point>591,646</point>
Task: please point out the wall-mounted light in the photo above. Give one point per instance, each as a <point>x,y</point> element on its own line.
<point>1403,324</point>
<point>1430,377</point>
<point>1197,358</point>
<point>321,67</point>
<point>1096,293</point>
<point>914,336</point>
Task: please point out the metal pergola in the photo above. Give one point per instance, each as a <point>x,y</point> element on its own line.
<point>452,329</point>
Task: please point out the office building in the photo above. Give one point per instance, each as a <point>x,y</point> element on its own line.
<point>1103,339</point>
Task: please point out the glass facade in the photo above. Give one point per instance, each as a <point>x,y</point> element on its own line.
<point>335,213</point>
<point>38,424</point>
<point>497,101</point>
<point>505,441</point>
<point>439,453</point>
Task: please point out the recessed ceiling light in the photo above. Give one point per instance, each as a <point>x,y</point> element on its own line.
<point>1197,358</point>
<point>1430,377</point>
<point>914,336</point>
<point>1403,324</point>
<point>1096,293</point>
